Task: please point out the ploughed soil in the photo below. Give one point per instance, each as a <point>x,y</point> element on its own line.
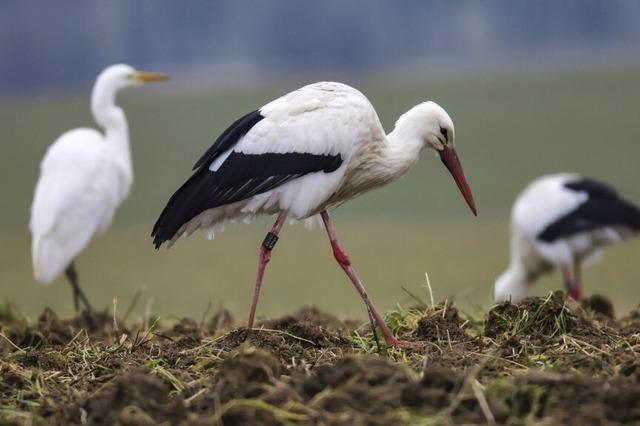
<point>544,361</point>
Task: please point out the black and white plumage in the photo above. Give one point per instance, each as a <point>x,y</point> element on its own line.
<point>560,221</point>
<point>225,175</point>
<point>299,155</point>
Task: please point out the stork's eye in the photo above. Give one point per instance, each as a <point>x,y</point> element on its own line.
<point>444,133</point>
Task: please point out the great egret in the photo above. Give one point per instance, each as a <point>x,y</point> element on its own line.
<point>300,155</point>
<point>84,177</point>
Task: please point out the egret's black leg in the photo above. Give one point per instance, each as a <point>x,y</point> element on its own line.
<point>78,294</point>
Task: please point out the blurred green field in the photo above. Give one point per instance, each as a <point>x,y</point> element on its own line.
<point>509,128</point>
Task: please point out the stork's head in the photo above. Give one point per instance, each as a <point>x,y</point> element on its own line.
<point>431,124</point>
<point>119,76</point>
<point>511,286</point>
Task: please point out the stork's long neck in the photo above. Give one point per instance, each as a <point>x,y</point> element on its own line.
<point>112,119</point>
<point>403,147</point>
<point>512,285</point>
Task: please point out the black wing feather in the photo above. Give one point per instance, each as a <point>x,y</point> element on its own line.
<point>239,177</point>
<point>594,188</point>
<point>604,207</point>
<point>230,137</point>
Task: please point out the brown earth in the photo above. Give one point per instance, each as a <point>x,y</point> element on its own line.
<point>546,360</point>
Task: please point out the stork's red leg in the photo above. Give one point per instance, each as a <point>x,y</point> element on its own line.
<point>571,283</point>
<point>263,258</point>
<point>345,263</point>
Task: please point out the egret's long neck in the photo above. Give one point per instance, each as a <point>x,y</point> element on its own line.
<point>111,118</point>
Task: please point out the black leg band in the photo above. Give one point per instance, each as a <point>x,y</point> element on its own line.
<point>270,241</point>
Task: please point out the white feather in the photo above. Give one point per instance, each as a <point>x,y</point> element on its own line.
<point>78,191</point>
<point>215,165</point>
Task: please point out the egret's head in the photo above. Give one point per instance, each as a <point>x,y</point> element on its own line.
<point>431,124</point>
<point>121,76</point>
<point>105,90</point>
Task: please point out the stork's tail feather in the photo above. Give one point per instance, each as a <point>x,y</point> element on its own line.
<point>183,206</point>
<point>628,216</point>
<point>634,216</point>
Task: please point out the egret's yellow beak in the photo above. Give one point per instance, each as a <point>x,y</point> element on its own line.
<point>147,77</point>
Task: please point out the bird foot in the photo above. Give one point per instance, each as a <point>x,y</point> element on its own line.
<point>402,344</point>
<point>575,293</point>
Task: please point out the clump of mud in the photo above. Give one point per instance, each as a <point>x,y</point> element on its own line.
<point>135,398</point>
<point>631,323</point>
<point>442,323</point>
<point>246,375</point>
<point>317,328</point>
<point>534,316</point>
<point>221,321</point>
<point>564,336</point>
<point>354,390</point>
<point>50,330</point>
<point>250,375</point>
<point>599,305</point>
<point>570,399</point>
<point>185,333</point>
<point>299,340</point>
<point>96,325</point>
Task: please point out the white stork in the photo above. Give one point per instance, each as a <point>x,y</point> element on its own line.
<point>560,221</point>
<point>300,155</point>
<point>84,177</point>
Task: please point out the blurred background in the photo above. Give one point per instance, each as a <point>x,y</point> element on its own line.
<point>533,88</point>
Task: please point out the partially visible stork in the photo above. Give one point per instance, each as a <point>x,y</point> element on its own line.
<point>84,176</point>
<point>560,221</point>
<point>301,155</point>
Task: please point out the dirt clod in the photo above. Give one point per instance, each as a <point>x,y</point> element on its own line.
<point>534,316</point>
<point>441,323</point>
<point>599,305</point>
<point>134,398</point>
<point>221,320</point>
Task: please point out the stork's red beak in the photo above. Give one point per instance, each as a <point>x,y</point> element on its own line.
<point>450,159</point>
